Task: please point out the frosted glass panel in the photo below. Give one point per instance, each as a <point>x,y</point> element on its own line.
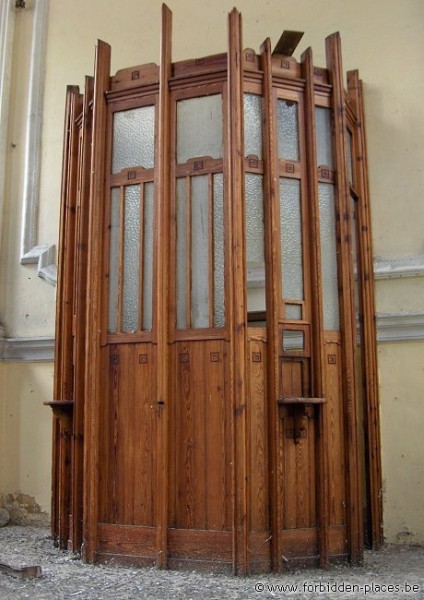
<point>255,244</point>
<point>291,239</point>
<point>133,138</point>
<point>324,143</point>
<point>218,251</point>
<point>293,312</point>
<point>131,270</point>
<point>148,256</point>
<point>253,125</point>
<point>114,260</point>
<point>200,251</point>
<point>288,132</point>
<point>328,256</point>
<point>181,254</point>
<point>199,127</point>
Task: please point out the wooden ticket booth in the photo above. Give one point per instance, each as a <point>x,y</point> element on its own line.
<point>215,388</point>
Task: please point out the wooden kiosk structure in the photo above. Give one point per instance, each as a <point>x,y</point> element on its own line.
<point>215,388</point>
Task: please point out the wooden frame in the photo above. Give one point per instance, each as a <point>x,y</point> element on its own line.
<point>214,446</point>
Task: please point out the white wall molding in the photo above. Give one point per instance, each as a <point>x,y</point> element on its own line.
<point>34,349</point>
<point>31,250</point>
<point>400,327</point>
<point>409,266</point>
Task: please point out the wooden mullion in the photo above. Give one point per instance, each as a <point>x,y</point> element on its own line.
<point>93,375</point>
<point>211,246</point>
<point>161,295</point>
<point>371,400</point>
<point>273,301</point>
<point>317,319</point>
<point>188,252</point>
<point>121,257</point>
<point>141,260</point>
<point>347,310</point>
<point>80,321</point>
<point>238,302</point>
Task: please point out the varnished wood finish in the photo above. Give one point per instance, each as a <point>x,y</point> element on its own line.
<point>220,447</point>
<point>347,307</point>
<point>237,295</point>
<point>366,274</point>
<point>94,366</point>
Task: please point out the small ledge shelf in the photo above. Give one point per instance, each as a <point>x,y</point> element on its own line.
<point>61,408</point>
<point>291,400</point>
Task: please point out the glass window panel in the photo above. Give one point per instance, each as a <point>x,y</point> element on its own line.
<point>114,260</point>
<point>133,138</point>
<point>131,268</point>
<point>253,125</point>
<point>218,251</point>
<point>181,254</point>
<point>324,142</point>
<point>255,249</point>
<point>291,239</point>
<point>148,255</point>
<point>200,251</point>
<point>199,127</point>
<point>288,131</point>
<point>293,340</point>
<point>327,220</point>
<point>293,312</point>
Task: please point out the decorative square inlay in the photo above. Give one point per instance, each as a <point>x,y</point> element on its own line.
<point>215,357</point>
<point>256,357</point>
<point>132,174</point>
<point>198,165</point>
<point>332,359</point>
<point>289,168</point>
<point>184,357</point>
<point>143,359</point>
<point>135,75</point>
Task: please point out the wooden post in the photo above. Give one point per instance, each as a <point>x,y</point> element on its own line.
<point>94,353</point>
<point>238,311</point>
<point>347,307</point>
<point>366,272</point>
<point>318,358</point>
<point>273,300</point>
<point>161,296</point>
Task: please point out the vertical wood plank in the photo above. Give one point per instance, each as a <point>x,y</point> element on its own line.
<point>273,299</point>
<point>162,187</point>
<point>93,374</point>
<point>371,412</point>
<point>318,368</point>
<point>238,311</point>
<point>347,316</point>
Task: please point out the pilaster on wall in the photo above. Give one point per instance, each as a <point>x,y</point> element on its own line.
<point>31,250</point>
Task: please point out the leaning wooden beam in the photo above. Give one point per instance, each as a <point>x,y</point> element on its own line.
<point>317,308</point>
<point>94,352</point>
<point>25,572</point>
<point>273,299</point>
<point>371,401</point>
<point>238,318</point>
<point>162,232</point>
<point>346,286</point>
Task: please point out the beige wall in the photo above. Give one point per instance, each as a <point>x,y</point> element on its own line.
<point>383,39</point>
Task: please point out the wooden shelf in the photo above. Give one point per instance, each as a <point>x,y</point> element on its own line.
<point>291,400</point>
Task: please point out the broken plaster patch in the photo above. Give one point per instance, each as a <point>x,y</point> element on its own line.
<point>24,509</point>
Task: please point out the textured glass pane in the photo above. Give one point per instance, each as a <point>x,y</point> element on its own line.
<point>114,260</point>
<point>181,254</point>
<point>350,155</point>
<point>293,340</point>
<point>133,138</point>
<point>218,251</point>
<point>148,256</point>
<point>288,132</point>
<point>327,220</point>
<point>293,312</point>
<point>199,127</point>
<point>200,252</point>
<point>324,144</point>
<point>255,250</point>
<point>131,270</point>
<point>291,239</point>
<point>253,125</point>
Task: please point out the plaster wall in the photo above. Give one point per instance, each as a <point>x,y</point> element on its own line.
<point>382,38</point>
